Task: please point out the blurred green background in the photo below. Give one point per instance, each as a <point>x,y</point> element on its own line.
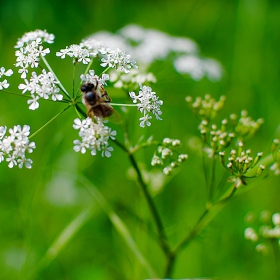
<point>37,204</point>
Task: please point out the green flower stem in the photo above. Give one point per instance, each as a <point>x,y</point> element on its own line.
<point>50,69</point>
<point>276,254</point>
<point>207,216</point>
<point>29,96</point>
<point>267,160</point>
<point>212,180</point>
<point>138,147</point>
<point>161,234</point>
<point>52,119</point>
<point>123,105</point>
<point>73,79</point>
<point>105,70</point>
<point>159,225</point>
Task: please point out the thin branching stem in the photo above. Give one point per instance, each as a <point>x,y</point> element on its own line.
<point>206,217</point>
<point>276,254</point>
<point>50,69</point>
<point>155,214</point>
<point>52,119</point>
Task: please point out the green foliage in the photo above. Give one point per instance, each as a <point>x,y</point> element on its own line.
<point>56,226</point>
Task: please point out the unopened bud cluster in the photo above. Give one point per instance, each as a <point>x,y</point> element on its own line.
<point>245,127</point>
<point>267,230</point>
<point>239,163</point>
<point>275,150</point>
<point>166,152</point>
<point>216,138</point>
<point>206,108</point>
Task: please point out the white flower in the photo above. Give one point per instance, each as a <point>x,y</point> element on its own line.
<point>29,56</point>
<point>33,36</point>
<point>197,67</point>
<point>276,218</point>
<point>93,79</point>
<point>3,72</point>
<point>41,86</point>
<point>14,147</point>
<point>7,73</point>
<point>116,58</point>
<point>147,102</point>
<point>33,103</point>
<point>78,52</point>
<point>144,121</point>
<point>94,135</point>
<point>4,84</point>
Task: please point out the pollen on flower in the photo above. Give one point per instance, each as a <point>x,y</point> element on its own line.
<point>13,147</point>
<point>95,136</point>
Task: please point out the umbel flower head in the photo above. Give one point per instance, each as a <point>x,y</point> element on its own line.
<point>166,155</point>
<point>31,50</point>
<point>147,102</point>
<point>240,162</point>
<point>95,136</point>
<point>13,147</point>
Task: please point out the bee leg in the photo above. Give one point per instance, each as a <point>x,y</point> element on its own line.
<point>105,94</point>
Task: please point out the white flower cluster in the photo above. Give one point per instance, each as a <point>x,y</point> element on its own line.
<point>95,136</point>
<point>31,50</point>
<point>3,72</point>
<point>78,53</point>
<point>93,79</point>
<point>89,48</point>
<point>13,147</point>
<point>197,67</point>
<point>147,102</point>
<point>41,86</point>
<point>269,229</point>
<point>130,81</point>
<point>33,36</point>
<point>166,151</point>
<point>118,59</point>
<point>149,45</point>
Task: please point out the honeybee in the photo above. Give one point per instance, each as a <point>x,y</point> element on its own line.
<point>96,100</point>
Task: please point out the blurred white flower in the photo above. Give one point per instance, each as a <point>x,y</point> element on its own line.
<point>149,45</point>
<point>197,67</point>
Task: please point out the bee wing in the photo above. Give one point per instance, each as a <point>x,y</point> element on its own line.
<point>104,111</point>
